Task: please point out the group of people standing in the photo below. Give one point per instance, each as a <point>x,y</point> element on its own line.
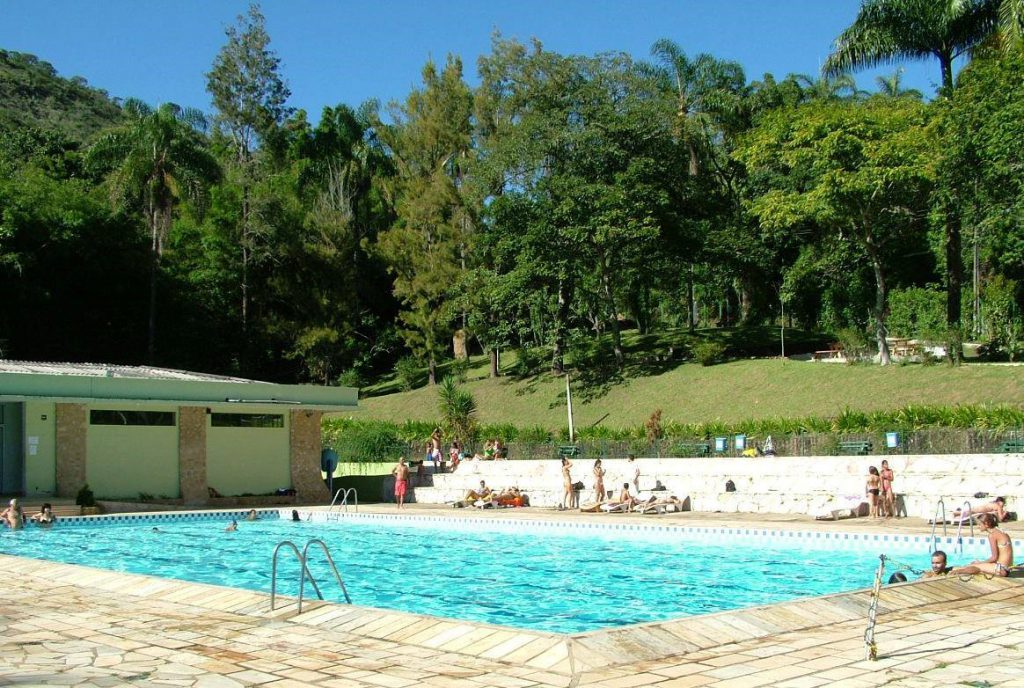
<point>571,493</point>
<point>881,498</point>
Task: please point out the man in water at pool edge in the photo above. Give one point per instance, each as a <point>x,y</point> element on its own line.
<point>939,567</point>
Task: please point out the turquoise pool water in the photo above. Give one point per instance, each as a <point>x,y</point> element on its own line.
<point>561,581</point>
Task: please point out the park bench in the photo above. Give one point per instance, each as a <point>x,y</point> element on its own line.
<point>834,352</point>
<point>568,451</point>
<point>693,449</point>
<point>1011,447</point>
<point>854,448</point>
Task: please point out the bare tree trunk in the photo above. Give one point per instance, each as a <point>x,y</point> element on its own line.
<point>880,301</point>
<point>954,284</point>
<point>154,268</point>
<point>691,316</point>
<point>616,334</point>
<point>432,367</point>
<point>494,361</point>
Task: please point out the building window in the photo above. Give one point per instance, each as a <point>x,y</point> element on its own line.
<point>247,420</point>
<point>164,418</point>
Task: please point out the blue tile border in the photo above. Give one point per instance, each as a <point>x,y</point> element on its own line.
<point>164,517</point>
<point>816,537</point>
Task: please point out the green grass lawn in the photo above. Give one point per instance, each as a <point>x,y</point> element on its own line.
<point>728,392</point>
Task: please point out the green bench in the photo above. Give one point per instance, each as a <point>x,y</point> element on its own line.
<point>855,448</point>
<point>1011,447</point>
<point>693,449</point>
<point>569,451</point>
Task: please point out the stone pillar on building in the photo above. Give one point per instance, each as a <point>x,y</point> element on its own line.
<point>304,445</point>
<point>192,454</point>
<point>71,448</point>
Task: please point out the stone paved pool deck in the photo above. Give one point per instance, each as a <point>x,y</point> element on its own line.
<point>72,625</point>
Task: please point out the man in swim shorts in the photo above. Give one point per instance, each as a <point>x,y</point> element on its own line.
<point>401,473</point>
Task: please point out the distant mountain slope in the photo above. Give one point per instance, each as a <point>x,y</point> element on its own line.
<point>32,94</point>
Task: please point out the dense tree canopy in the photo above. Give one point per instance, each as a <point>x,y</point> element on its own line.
<point>562,199</point>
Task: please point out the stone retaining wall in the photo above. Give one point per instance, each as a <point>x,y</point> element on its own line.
<point>804,485</point>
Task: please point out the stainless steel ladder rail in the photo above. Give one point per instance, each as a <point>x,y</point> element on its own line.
<point>330,560</point>
<point>304,573</point>
<point>940,507</point>
<point>965,513</point>
<point>344,503</point>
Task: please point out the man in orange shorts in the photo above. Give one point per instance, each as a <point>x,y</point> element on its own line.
<point>401,473</point>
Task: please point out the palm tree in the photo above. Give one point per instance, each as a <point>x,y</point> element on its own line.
<point>156,159</point>
<point>707,90</point>
<point>839,87</point>
<point>1011,21</point>
<point>890,31</point>
<point>889,86</point>
<point>887,31</point>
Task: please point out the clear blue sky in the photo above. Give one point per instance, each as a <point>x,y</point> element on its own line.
<point>347,51</point>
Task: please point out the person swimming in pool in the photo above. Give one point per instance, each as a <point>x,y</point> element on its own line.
<point>252,516</point>
<point>999,563</point>
<point>233,527</point>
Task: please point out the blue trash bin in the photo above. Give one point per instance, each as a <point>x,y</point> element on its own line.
<point>721,444</point>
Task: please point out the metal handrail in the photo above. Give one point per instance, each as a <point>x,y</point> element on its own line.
<point>939,506</point>
<point>330,560</point>
<point>304,573</point>
<point>965,513</point>
<point>343,504</point>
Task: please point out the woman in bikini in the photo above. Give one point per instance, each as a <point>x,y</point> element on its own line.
<point>888,497</point>
<point>599,481</point>
<point>567,498</point>
<point>1002,551</point>
<point>872,489</point>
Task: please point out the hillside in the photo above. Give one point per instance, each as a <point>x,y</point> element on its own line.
<point>32,94</point>
<point>729,392</point>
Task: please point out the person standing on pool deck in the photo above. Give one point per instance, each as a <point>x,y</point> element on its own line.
<point>872,489</point>
<point>599,482</point>
<point>888,496</point>
<point>631,461</point>
<point>999,563</point>
<point>401,473</point>
<point>567,496</point>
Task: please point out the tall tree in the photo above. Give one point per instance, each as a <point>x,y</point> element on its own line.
<point>887,31</point>
<point>430,144</point>
<point>249,96</point>
<point>857,170</point>
<point>158,158</point>
<point>707,90</point>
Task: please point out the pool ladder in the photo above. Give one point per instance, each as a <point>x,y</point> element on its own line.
<point>940,511</point>
<point>344,493</point>
<point>304,573</point>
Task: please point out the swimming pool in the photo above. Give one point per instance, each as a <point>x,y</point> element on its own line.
<point>532,575</point>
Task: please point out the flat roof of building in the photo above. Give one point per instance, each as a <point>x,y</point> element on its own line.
<point>91,382</point>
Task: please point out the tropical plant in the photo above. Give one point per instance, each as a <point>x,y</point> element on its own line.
<point>458,409</point>
<point>890,31</point>
<point>707,90</point>
<point>158,158</point>
<point>889,86</point>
